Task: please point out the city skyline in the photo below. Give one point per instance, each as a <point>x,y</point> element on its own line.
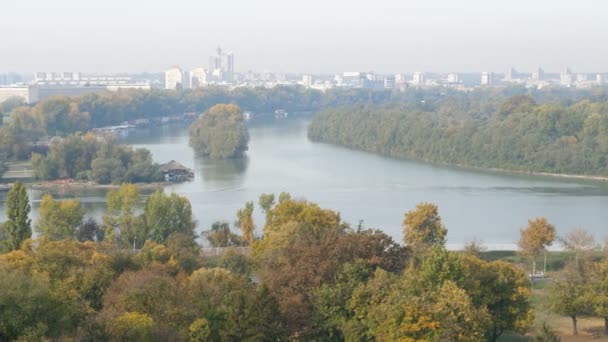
<point>316,37</point>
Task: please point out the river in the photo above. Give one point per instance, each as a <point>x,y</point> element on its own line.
<point>491,208</point>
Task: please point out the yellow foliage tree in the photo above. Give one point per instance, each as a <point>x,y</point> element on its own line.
<point>422,227</point>
<point>535,238</point>
<point>59,220</point>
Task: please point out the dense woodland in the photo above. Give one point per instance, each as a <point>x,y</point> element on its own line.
<point>86,158</point>
<point>520,134</point>
<point>139,275</point>
<point>220,132</point>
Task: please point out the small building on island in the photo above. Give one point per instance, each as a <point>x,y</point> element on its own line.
<point>176,172</point>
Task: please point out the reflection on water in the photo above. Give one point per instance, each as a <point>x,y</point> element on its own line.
<point>363,186</point>
<point>228,172</point>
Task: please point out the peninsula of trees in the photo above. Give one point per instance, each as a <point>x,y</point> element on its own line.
<point>220,133</point>
<point>519,135</point>
<point>86,158</point>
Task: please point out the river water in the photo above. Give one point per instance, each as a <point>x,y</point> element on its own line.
<point>362,186</point>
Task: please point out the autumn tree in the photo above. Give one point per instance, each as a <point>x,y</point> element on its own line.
<point>579,241</point>
<point>422,227</point>
<point>245,223</point>
<point>535,238</point>
<point>59,220</point>
<point>18,226</point>
<point>220,235</point>
<point>168,214</point>
<point>220,132</point>
<point>131,327</point>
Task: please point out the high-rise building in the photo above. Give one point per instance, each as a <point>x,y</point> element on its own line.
<point>230,67</point>
<point>221,66</point>
<point>566,78</point>
<point>174,78</point>
<point>487,78</point>
<point>599,78</point>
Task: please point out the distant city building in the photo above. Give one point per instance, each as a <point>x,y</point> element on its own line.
<point>389,83</point>
<point>174,78</point>
<point>580,78</point>
<point>418,78</point>
<point>353,79</point>
<point>453,78</point>
<point>600,80</point>
<point>221,67</point>
<point>511,75</point>
<point>307,81</point>
<point>538,74</point>
<point>487,78</point>
<point>566,78</point>
<point>198,78</point>
<point>29,94</point>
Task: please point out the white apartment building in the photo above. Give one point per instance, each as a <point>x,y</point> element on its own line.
<point>198,77</point>
<point>418,78</point>
<point>174,78</point>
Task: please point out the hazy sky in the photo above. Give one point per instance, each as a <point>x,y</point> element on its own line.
<point>304,35</point>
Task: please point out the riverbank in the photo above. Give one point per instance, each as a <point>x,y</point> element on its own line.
<point>70,186</point>
<point>524,173</point>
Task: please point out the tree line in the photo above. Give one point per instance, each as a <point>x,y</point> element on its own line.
<point>139,275</point>
<point>62,116</point>
<point>520,135</point>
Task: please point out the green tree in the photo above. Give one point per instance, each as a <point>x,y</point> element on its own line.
<point>59,220</point>
<point>29,308</point>
<point>120,222</point>
<point>535,238</point>
<point>245,223</point>
<point>503,289</point>
<point>422,227</point>
<point>168,214</point>
<point>220,235</point>
<point>220,132</point>
<point>266,202</point>
<point>599,291</point>
<point>568,294</point>
<point>18,226</point>
<point>90,230</point>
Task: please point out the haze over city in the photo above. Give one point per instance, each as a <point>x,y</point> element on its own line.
<point>276,170</point>
<point>309,36</point>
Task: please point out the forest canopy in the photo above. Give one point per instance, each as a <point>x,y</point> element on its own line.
<point>519,135</point>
